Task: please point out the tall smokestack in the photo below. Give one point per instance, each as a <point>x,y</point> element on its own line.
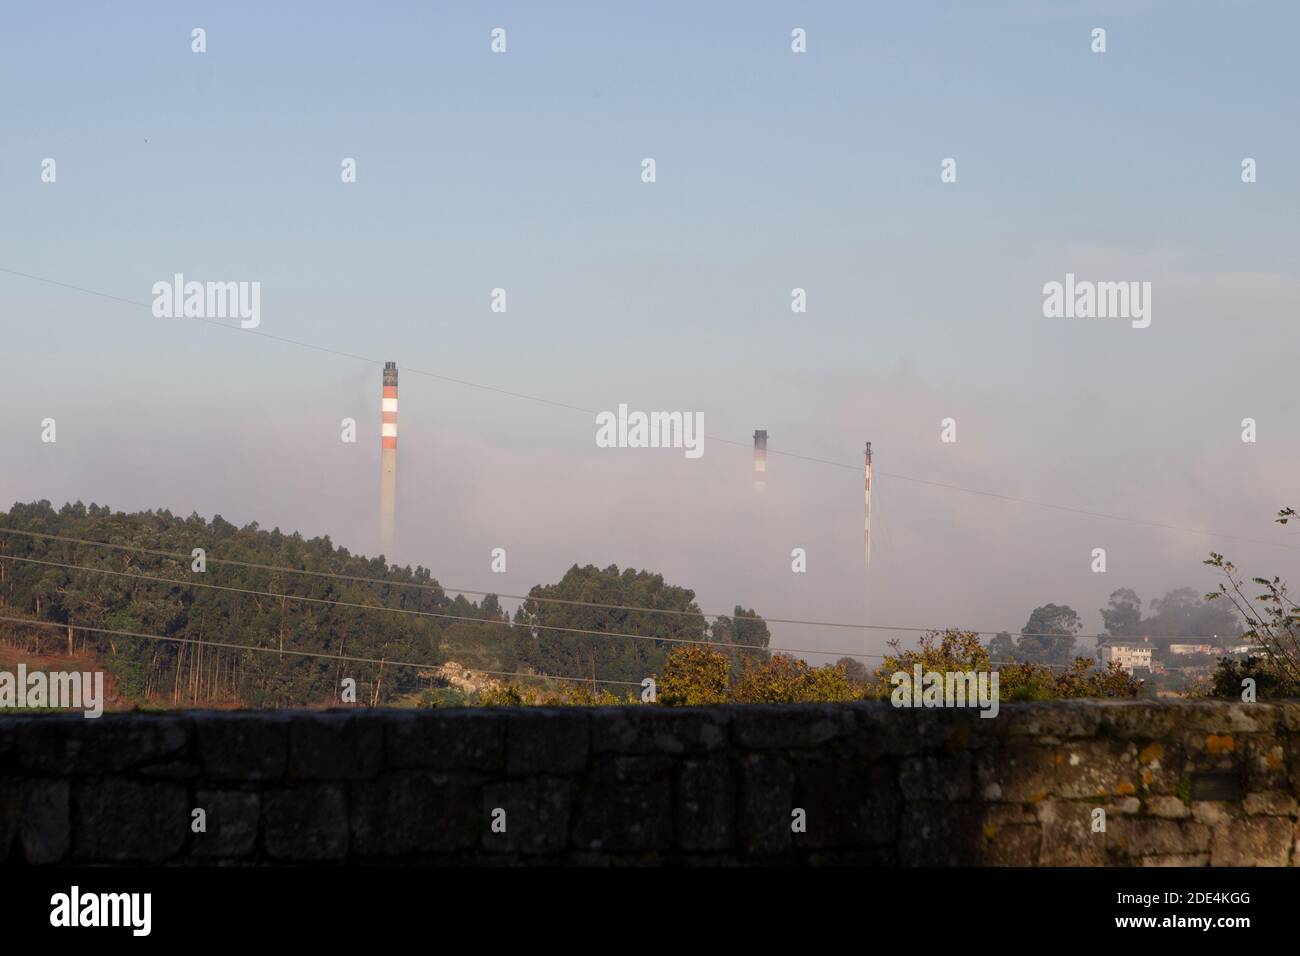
<point>866,494</point>
<point>388,461</point>
<point>760,460</point>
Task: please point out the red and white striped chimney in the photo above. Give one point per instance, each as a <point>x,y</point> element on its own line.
<point>388,461</point>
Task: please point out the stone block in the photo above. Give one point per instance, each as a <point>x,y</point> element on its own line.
<point>115,742</point>
<point>1139,721</point>
<point>1015,772</point>
<point>942,776</point>
<point>706,801</point>
<point>1178,859</point>
<point>774,726</point>
<point>537,815</point>
<point>1068,836</point>
<point>1253,841</point>
<point>846,807</point>
<point>11,806</point>
<point>1288,715</point>
<point>1230,719</point>
<point>120,820</point>
<point>450,740</point>
<point>416,812</point>
<point>1214,813</point>
<point>243,747</point>
<point>765,805</point>
<point>625,803</point>
<point>44,828</point>
<point>659,730</point>
<point>306,823</point>
<point>1147,836</point>
<point>1168,807</point>
<point>1097,768</point>
<point>1264,759</point>
<point>1060,719</point>
<point>232,818</point>
<point>1272,803</point>
<point>886,731</point>
<point>335,745</point>
<point>1012,846</point>
<point>542,741</point>
<point>934,833</point>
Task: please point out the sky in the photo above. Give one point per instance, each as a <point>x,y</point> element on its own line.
<point>775,170</point>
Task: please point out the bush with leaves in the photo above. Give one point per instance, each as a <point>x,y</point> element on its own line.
<point>1225,682</point>
<point>443,697</point>
<point>583,695</point>
<point>955,650</point>
<point>787,680</point>
<point>1272,621</point>
<point>829,685</point>
<point>1080,679</point>
<point>504,695</point>
<point>694,676</point>
<point>942,651</point>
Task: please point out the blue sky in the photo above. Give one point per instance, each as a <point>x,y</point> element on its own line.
<point>775,170</point>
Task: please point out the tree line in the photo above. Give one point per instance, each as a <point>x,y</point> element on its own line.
<point>288,631</point>
<point>289,638</point>
<point>1050,634</point>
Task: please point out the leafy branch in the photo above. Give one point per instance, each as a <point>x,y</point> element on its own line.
<point>1272,616</point>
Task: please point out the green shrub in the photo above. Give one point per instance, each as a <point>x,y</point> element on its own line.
<point>506,695</point>
<point>694,676</point>
<point>788,680</point>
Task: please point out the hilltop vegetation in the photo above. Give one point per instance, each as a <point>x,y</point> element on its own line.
<point>146,583</point>
<point>264,618</point>
<point>151,592</point>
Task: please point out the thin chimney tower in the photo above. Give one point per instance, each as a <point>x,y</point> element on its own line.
<point>760,460</point>
<point>866,526</point>
<point>388,461</point>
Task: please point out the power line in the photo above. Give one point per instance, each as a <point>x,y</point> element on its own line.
<point>373,660</point>
<point>373,607</point>
<point>319,654</point>
<point>728,441</point>
<point>213,323</point>
<point>180,556</point>
<point>417,613</point>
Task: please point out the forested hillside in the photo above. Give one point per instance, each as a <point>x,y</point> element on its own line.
<point>92,567</point>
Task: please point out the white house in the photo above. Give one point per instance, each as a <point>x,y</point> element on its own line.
<point>1128,655</point>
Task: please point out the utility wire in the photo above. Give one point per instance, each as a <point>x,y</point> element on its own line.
<point>728,441</point>
<point>416,613</point>
<point>214,323</point>
<point>273,650</point>
<point>180,556</point>
<point>506,623</point>
<point>375,660</point>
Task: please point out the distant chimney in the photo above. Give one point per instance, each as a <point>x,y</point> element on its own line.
<point>760,460</point>
<point>866,494</point>
<point>388,461</point>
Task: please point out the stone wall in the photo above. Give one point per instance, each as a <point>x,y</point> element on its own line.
<point>1180,783</point>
